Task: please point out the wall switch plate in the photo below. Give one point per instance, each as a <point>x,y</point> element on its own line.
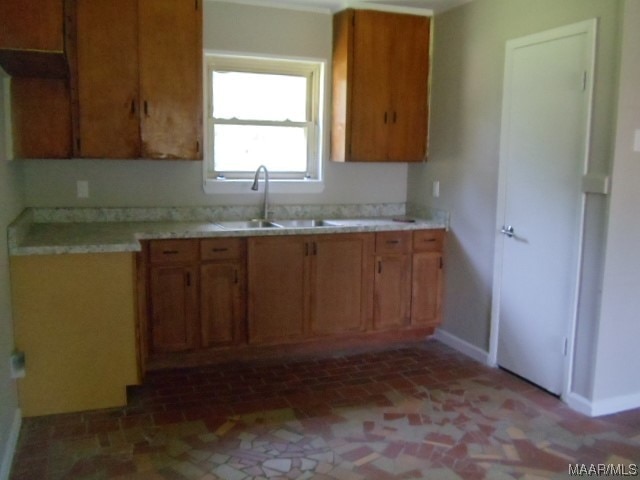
<point>435,189</point>
<point>17,363</point>
<point>595,183</point>
<point>636,141</point>
<point>82,187</point>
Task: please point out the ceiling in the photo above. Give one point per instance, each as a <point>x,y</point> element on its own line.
<point>422,7</point>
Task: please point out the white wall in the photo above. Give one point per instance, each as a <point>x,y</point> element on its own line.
<point>466,102</point>
<point>10,205</point>
<point>228,27</point>
<point>617,381</point>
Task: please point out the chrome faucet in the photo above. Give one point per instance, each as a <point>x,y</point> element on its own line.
<point>265,205</point>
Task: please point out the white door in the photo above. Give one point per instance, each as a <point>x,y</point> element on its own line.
<point>545,130</point>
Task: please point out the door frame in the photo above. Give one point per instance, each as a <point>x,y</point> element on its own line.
<point>588,27</point>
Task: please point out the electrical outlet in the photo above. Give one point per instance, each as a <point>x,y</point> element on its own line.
<point>435,190</point>
<point>636,141</point>
<point>82,187</point>
<point>17,364</point>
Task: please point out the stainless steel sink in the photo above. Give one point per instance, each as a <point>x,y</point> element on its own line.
<point>304,223</point>
<point>248,224</point>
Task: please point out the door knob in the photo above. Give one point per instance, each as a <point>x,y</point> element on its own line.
<point>507,230</point>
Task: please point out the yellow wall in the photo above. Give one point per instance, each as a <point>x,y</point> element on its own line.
<point>74,317</point>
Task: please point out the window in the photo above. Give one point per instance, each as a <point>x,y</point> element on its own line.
<point>262,111</point>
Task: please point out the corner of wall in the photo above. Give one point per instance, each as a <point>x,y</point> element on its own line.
<point>10,446</point>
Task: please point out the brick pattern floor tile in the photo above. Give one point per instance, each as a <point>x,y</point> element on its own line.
<point>415,411</point>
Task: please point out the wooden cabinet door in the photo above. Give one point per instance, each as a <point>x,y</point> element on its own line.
<point>339,282</point>
<point>380,84</point>
<point>32,38</point>
<point>32,25</point>
<point>106,69</point>
<point>371,90</point>
<point>173,300</point>
<point>426,288</point>
<point>170,46</point>
<point>392,291</point>
<point>278,288</point>
<point>41,115</point>
<point>408,68</point>
<point>221,302</point>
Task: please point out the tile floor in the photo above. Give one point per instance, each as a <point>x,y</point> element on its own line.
<point>415,411</point>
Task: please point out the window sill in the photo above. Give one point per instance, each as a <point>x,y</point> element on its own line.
<point>212,186</point>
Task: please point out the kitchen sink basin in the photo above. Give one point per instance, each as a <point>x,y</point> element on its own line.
<point>248,224</point>
<point>304,223</point>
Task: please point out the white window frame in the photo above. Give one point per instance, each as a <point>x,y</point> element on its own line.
<point>285,182</point>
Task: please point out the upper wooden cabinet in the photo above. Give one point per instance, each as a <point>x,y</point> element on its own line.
<point>380,87</point>
<point>137,79</point>
<point>32,38</point>
<point>41,116</point>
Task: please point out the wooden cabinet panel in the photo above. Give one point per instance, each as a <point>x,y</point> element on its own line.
<point>277,288</point>
<point>409,70</point>
<point>172,251</point>
<point>428,240</point>
<point>137,79</point>
<point>393,242</point>
<point>380,80</point>
<point>392,291</point>
<point>41,116</point>
<point>32,38</point>
<point>222,248</point>
<point>221,303</point>
<point>170,43</point>
<point>106,68</point>
<point>426,288</point>
<point>266,291</point>
<point>173,299</point>
<point>339,283</point>
<point>371,94</point>
<point>32,25</point>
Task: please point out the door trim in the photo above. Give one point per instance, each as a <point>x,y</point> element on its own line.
<point>588,27</point>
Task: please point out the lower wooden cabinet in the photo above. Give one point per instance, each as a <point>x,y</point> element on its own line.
<point>195,294</point>
<point>392,303</point>
<point>278,288</point>
<point>224,293</point>
<point>340,283</point>
<point>302,286</point>
<point>426,283</point>
<point>221,303</point>
<point>173,298</point>
<point>392,281</point>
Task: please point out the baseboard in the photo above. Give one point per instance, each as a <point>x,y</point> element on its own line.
<point>579,403</point>
<point>462,346</point>
<point>10,449</point>
<point>606,406</point>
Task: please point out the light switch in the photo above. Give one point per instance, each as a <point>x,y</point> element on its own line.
<point>83,189</point>
<point>435,190</point>
<point>636,141</point>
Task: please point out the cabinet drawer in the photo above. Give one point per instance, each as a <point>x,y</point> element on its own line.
<point>393,242</point>
<point>173,251</point>
<point>221,248</point>
<point>428,240</point>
